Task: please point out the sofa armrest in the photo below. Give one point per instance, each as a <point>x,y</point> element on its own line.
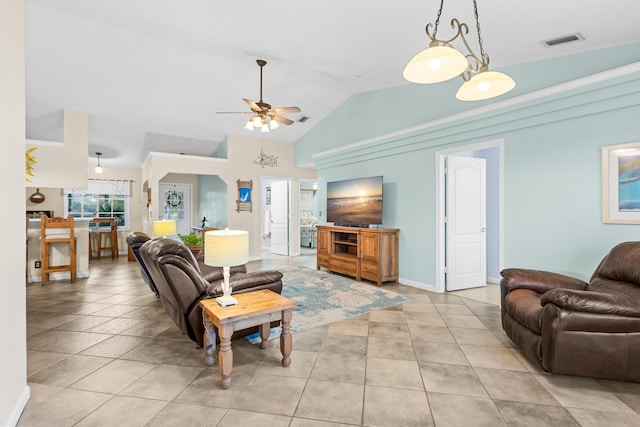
<point>592,302</point>
<point>213,274</point>
<point>240,281</point>
<point>539,281</point>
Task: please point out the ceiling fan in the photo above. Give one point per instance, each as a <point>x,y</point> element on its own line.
<point>263,116</point>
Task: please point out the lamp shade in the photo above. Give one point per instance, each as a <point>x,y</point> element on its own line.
<point>485,85</point>
<point>165,227</point>
<point>435,64</point>
<point>226,248</point>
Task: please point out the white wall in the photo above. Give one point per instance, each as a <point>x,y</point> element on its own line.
<point>14,392</point>
<point>242,150</point>
<point>63,165</point>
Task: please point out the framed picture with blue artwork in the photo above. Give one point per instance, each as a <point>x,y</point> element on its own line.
<point>244,196</point>
<point>621,184</point>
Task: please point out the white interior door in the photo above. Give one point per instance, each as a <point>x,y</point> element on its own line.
<point>280,217</point>
<point>466,238</point>
<point>176,204</point>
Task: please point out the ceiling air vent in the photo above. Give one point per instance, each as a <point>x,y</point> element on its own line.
<point>564,39</point>
<point>303,119</point>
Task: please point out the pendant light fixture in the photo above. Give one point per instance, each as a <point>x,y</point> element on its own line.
<point>98,168</point>
<point>441,62</point>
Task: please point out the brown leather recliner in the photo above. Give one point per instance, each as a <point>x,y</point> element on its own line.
<point>182,283</point>
<point>572,327</point>
<point>135,240</point>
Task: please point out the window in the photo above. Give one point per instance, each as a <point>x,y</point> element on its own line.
<point>102,199</point>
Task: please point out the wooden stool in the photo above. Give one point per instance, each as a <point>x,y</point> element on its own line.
<point>111,233</point>
<point>63,232</point>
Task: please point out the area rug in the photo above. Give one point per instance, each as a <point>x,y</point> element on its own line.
<point>323,298</point>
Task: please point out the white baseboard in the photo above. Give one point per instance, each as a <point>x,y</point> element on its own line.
<point>494,280</point>
<point>419,285</point>
<point>19,407</point>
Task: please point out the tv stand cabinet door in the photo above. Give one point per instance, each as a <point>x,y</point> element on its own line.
<point>322,253</point>
<point>370,246</point>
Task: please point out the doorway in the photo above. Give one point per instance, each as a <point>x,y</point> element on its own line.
<point>308,207</point>
<point>277,205</point>
<point>493,153</point>
<point>175,203</point>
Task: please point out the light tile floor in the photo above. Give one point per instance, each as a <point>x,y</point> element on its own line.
<point>101,352</point>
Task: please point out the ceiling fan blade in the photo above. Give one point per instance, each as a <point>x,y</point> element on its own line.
<point>282,120</point>
<point>253,105</point>
<point>285,110</point>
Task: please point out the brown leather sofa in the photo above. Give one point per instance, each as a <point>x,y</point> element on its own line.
<point>135,240</point>
<point>571,327</point>
<point>182,282</point>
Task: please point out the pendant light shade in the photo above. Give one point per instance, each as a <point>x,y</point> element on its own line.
<point>441,62</point>
<point>435,64</point>
<point>98,168</point>
<point>485,85</point>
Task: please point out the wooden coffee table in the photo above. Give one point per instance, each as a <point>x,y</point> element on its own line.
<point>254,308</point>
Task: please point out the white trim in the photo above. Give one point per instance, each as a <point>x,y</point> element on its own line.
<point>419,285</point>
<point>510,102</point>
<point>440,204</point>
<point>189,156</point>
<point>43,142</point>
<point>16,413</point>
<point>494,280</point>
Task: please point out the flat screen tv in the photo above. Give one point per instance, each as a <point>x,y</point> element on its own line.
<point>355,202</point>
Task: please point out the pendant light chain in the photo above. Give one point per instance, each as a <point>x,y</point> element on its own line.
<point>435,30</point>
<point>475,12</point>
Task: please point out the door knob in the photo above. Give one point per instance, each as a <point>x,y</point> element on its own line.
<point>483,229</point>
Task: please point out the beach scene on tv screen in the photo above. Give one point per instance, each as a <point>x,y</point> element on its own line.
<point>355,201</point>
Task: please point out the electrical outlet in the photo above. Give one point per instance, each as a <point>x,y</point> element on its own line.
<point>38,264</point>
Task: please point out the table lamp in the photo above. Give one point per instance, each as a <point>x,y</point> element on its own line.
<point>164,228</point>
<point>226,248</point>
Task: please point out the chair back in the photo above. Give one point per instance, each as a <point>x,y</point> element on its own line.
<point>622,264</point>
<point>61,228</point>
<point>135,240</point>
<point>177,276</point>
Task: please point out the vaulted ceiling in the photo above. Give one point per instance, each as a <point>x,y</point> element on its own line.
<point>152,74</point>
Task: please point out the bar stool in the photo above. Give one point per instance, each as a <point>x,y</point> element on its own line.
<point>61,232</point>
<point>106,238</point>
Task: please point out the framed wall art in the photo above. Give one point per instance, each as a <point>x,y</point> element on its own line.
<point>244,195</point>
<point>621,184</point>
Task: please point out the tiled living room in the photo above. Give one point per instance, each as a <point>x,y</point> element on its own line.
<point>102,351</point>
<point>115,102</point>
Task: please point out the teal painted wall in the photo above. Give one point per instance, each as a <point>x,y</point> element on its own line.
<point>552,183</point>
<point>212,200</point>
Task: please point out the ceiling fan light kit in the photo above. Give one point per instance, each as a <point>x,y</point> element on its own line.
<point>441,62</point>
<point>263,116</point>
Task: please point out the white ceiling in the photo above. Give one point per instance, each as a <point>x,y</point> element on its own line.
<point>152,74</point>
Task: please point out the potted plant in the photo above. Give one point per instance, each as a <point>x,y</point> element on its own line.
<point>194,242</point>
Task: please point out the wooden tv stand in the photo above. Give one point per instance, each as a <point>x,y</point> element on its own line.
<point>363,253</point>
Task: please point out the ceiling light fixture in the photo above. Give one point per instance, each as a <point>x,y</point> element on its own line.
<point>98,167</point>
<point>263,122</point>
<point>441,62</point>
